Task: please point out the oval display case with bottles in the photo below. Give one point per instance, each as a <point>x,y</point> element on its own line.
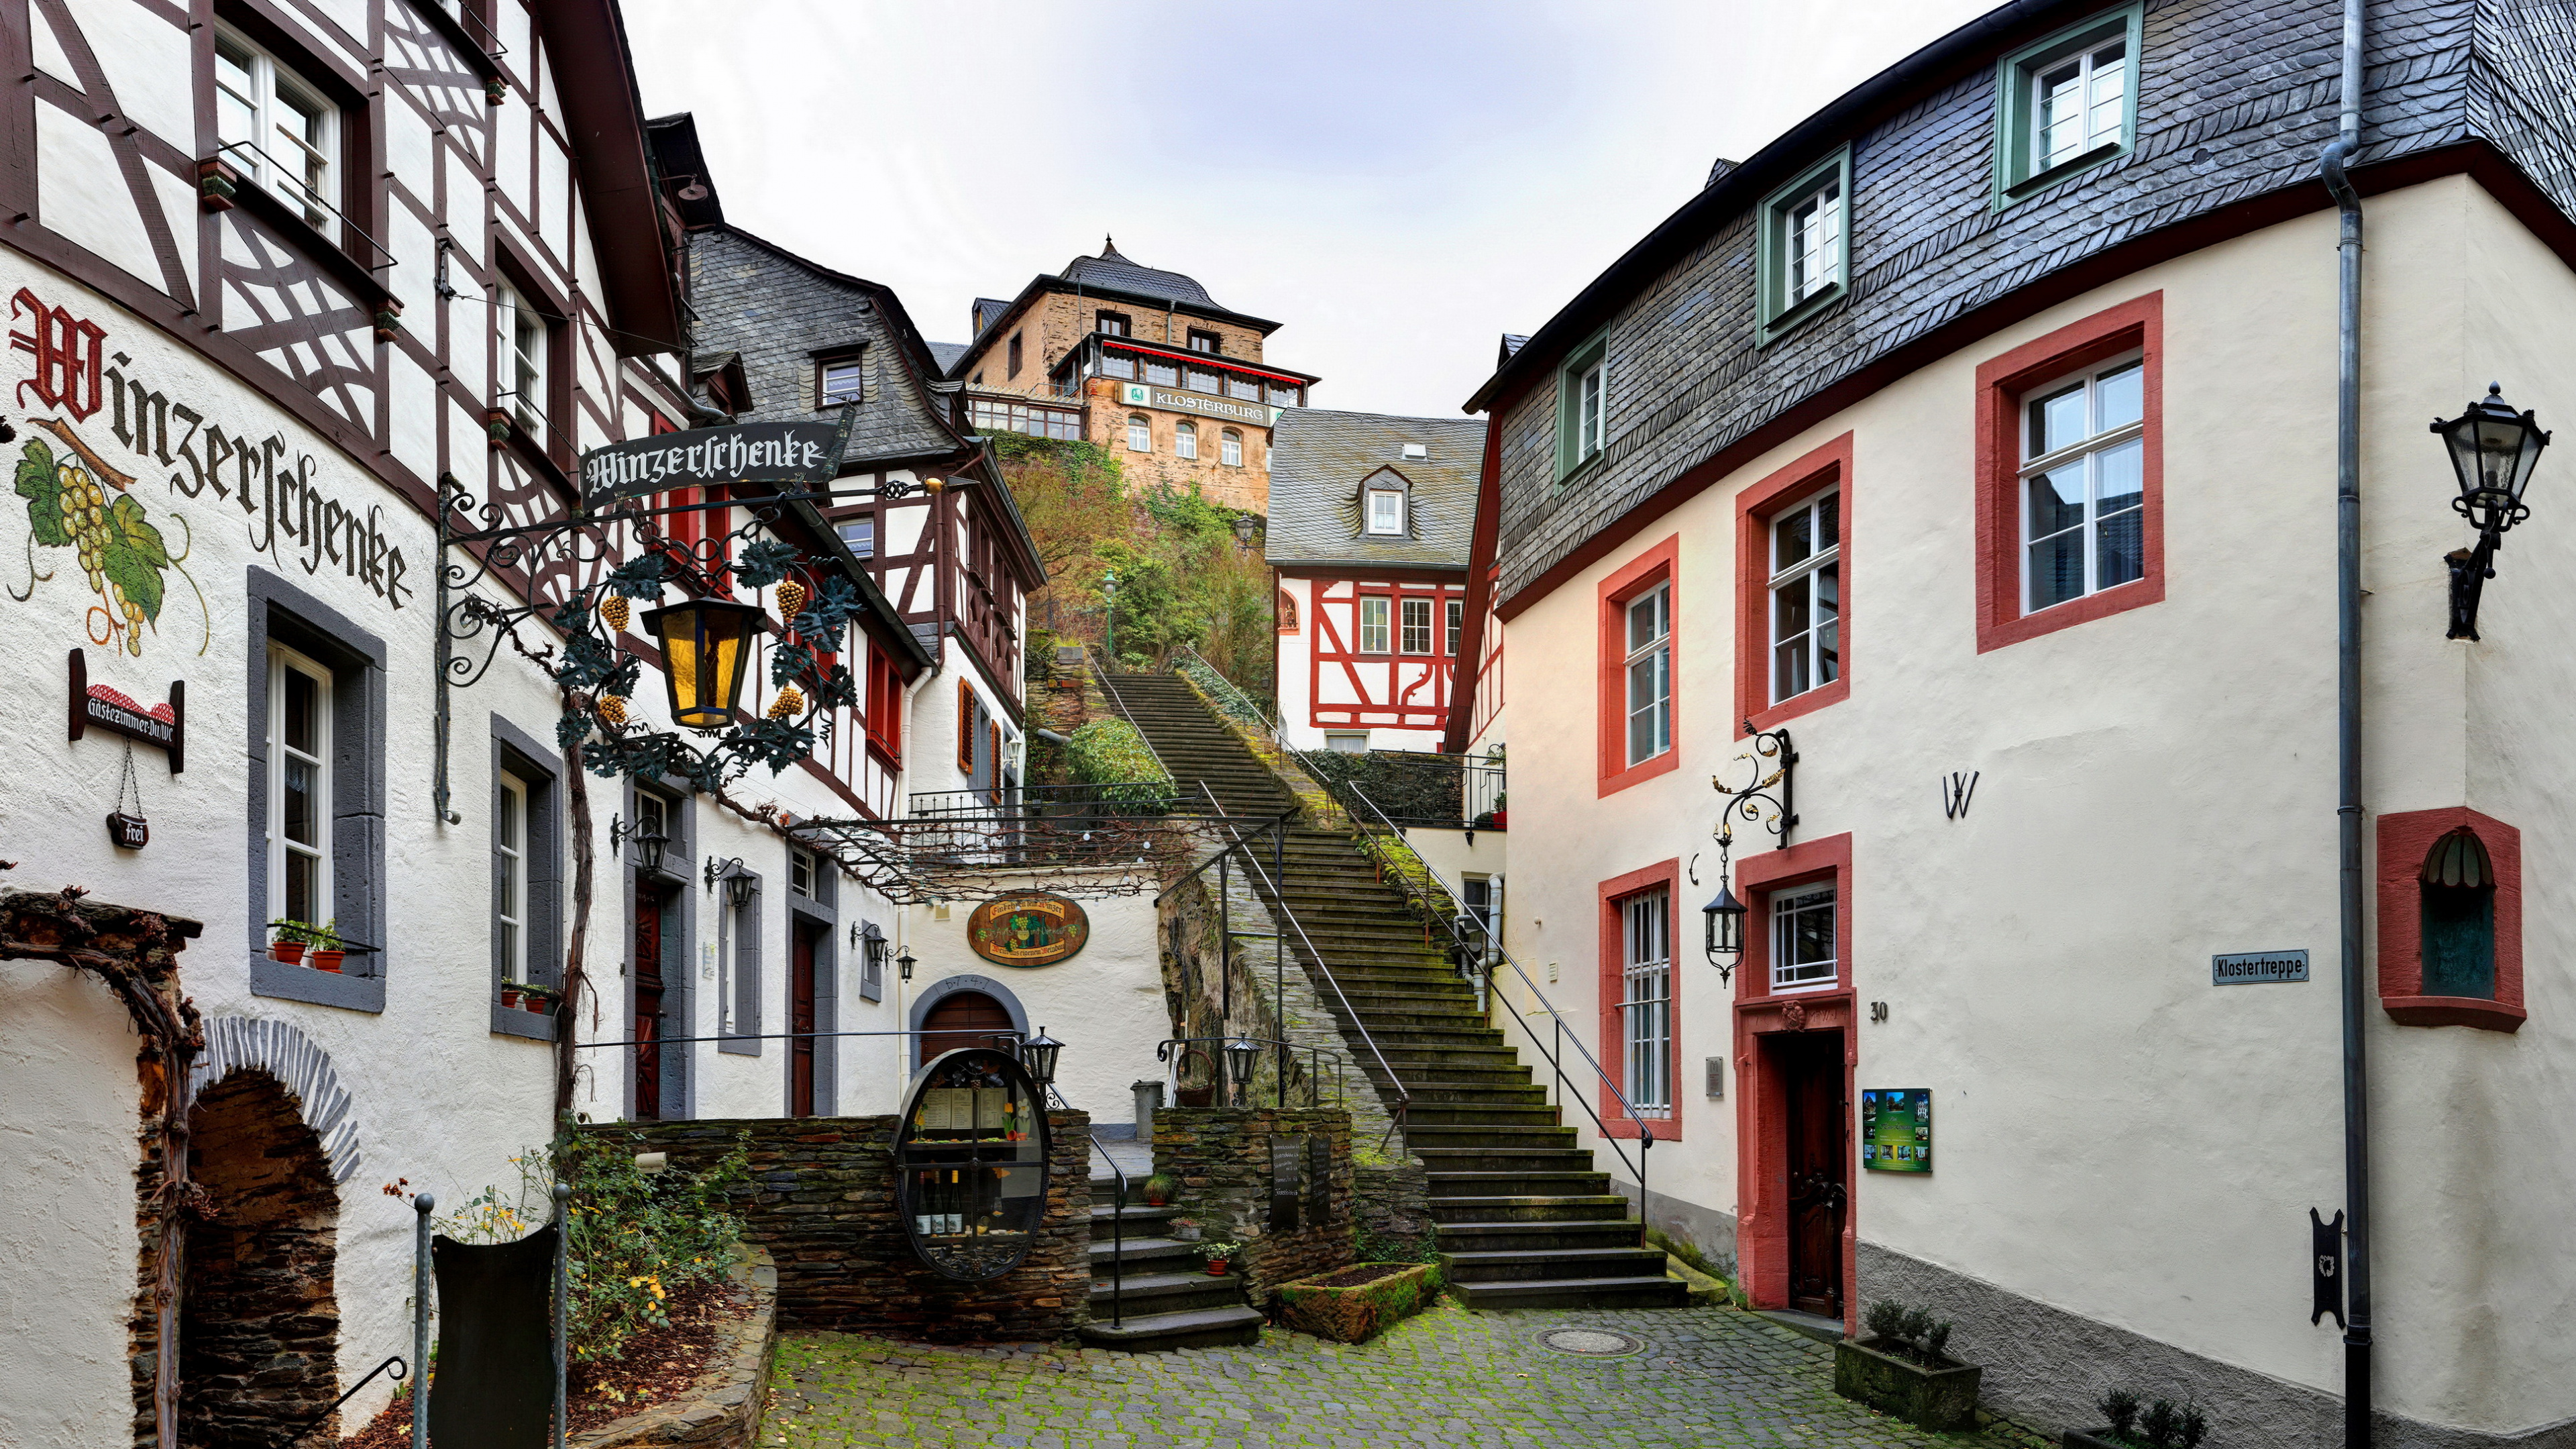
<point>971,1163</point>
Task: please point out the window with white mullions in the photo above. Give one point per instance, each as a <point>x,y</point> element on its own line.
<point>1802,939</point>
<point>1385,511</point>
<point>1806,596</point>
<point>276,129</point>
<point>1814,252</point>
<point>1646,1002</point>
<point>1650,674</point>
<point>2079,104</point>
<point>299,788</point>
<point>1373,625</point>
<point>838,383</point>
<point>2084,484</point>
<point>1185,439</point>
<point>523,355</point>
<point>1457,623</point>
<point>510,875</point>
<point>1591,392</point>
<point>1417,626</point>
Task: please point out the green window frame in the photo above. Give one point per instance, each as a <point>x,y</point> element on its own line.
<point>2065,86</point>
<point>1803,254</point>
<point>1583,406</point>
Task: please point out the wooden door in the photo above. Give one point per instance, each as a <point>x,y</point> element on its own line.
<point>1819,1184</point>
<point>800,1015</point>
<point>965,1019</point>
<point>647,1032</point>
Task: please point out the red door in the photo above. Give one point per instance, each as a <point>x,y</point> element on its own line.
<point>966,1019</point>
<point>1811,1071</point>
<point>800,1014</point>
<point>648,1005</point>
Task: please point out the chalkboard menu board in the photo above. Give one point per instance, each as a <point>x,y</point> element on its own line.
<point>971,1163</point>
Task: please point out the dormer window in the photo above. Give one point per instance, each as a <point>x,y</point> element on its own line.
<point>837,381</point>
<point>1385,512</point>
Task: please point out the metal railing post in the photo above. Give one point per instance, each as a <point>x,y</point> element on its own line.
<point>563,1301</point>
<point>421,1205</point>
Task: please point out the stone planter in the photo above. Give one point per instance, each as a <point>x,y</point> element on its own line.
<point>1355,1304</point>
<point>1943,1398</point>
<point>723,1409</point>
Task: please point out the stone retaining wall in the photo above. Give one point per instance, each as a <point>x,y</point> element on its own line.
<point>722,1410</point>
<point>1391,1206</point>
<point>1223,1160</point>
<point>821,1200</point>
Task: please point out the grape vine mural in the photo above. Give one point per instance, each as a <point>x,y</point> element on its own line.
<point>122,553</point>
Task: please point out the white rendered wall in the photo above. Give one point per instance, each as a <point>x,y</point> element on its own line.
<point>2157,786</point>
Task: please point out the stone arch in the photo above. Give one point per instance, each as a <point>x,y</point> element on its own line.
<point>259,1316</point>
<point>300,1065</point>
<point>950,985</point>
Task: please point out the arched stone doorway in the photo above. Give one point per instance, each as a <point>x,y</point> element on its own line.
<point>962,1019</point>
<point>259,1321</point>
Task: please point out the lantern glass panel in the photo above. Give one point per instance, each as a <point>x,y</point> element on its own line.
<point>702,657</point>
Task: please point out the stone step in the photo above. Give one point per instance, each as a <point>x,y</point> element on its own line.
<point>1509,1267</point>
<point>1499,1074</point>
<point>1465,1093</point>
<point>1521,1138</point>
<point>1173,1292</point>
<point>1657,1292</point>
<point>1440,1114</point>
<point>1518,1184</point>
<point>1141,1254</point>
<point>1486,1159</point>
<point>1157,1332</point>
<point>1141,1222</point>
<point>1531,1208</point>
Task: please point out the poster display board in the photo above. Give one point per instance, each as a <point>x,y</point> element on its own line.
<point>1896,1129</point>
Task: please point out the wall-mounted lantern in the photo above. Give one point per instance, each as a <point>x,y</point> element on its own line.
<point>649,844</point>
<point>704,645</point>
<point>1241,1055</point>
<point>1766,799</point>
<point>903,966</point>
<point>1038,1054</point>
<point>734,876</point>
<point>1725,917</point>
<point>2493,451</point>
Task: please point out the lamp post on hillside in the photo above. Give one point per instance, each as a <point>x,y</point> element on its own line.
<point>2493,451</point>
<point>1109,602</point>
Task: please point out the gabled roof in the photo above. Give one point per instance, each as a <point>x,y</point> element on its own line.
<point>683,165</point>
<point>1319,459</point>
<point>988,310</point>
<point>1111,277</point>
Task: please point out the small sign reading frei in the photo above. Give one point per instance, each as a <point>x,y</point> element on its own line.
<point>2245,968</point>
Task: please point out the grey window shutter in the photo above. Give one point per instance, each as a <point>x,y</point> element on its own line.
<point>746,967</point>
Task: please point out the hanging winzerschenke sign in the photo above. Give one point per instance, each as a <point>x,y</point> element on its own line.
<point>804,454</point>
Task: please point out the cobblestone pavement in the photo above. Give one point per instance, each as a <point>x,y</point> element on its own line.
<point>1706,1376</point>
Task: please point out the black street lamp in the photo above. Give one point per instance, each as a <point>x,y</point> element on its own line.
<point>1245,525</point>
<point>649,846</point>
<point>705,643</point>
<point>1725,930</point>
<point>1241,1055</point>
<point>1038,1054</point>
<point>2493,451</point>
<point>1109,624</point>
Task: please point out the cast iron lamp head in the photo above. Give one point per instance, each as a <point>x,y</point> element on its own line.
<point>1725,930</point>
<point>1038,1054</point>
<point>649,845</point>
<point>734,876</point>
<point>705,643</point>
<point>2493,450</point>
<point>1241,1055</point>
<point>903,966</point>
<point>1245,525</point>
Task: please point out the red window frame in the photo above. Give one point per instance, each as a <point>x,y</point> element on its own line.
<point>2404,838</point>
<point>1657,565</point>
<point>1775,872</point>
<point>885,705</point>
<point>1755,507</point>
<point>2133,325</point>
<point>1615,893</point>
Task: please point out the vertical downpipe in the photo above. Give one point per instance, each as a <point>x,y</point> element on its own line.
<point>2348,815</point>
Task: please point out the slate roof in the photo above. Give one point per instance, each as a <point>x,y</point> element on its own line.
<point>1110,269</point>
<point>946,353</point>
<point>988,310</point>
<point>777,309</point>
<point>1319,459</point>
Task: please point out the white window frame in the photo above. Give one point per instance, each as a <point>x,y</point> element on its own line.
<point>281,662</point>
<point>1385,512</point>
<point>1376,613</point>
<point>1453,625</point>
<point>510,896</point>
<point>1346,742</point>
<point>1406,611</point>
<point>2088,451</point>
<point>1811,250</point>
<point>1140,434</point>
<point>1823,634</point>
<point>2087,79</point>
<point>1654,653</point>
<point>1185,439</point>
<point>277,91</point>
<point>1788,907</point>
<point>868,526</point>
<point>1591,408</point>
<point>842,380</point>
<point>801,872</point>
<point>1646,1002</point>
<point>524,347</point>
<point>1229,446</point>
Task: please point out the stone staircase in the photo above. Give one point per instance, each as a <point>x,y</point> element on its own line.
<point>1167,1299</point>
<point>1526,1221</point>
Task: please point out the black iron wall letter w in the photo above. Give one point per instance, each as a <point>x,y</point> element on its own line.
<point>1955,792</point>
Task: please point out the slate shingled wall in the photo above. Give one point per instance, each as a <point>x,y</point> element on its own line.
<point>821,1201</point>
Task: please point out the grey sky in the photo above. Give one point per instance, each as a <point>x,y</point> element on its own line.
<point>1397,183</point>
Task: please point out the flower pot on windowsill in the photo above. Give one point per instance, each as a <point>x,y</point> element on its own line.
<point>511,996</point>
<point>327,958</point>
<point>537,1001</point>
<point>1887,1376</point>
<point>1502,820</point>
<point>290,952</point>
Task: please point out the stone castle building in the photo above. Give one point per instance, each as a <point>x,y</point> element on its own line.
<point>1140,361</point>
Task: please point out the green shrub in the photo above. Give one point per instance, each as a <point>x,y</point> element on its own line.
<point>1111,753</point>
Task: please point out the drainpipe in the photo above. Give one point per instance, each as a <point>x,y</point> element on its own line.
<point>2356,1077</point>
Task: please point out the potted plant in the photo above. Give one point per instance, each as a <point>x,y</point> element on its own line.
<point>328,948</point>
<point>292,937</point>
<point>1160,1189</point>
<point>539,999</point>
<point>2159,1425</point>
<point>511,993</point>
<point>1902,1368</point>
<point>1219,1257</point>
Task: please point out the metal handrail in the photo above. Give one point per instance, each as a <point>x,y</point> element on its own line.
<point>1100,672</point>
<point>305,196</point>
<point>1117,1234</point>
<point>1403,1096</point>
<point>1465,944</point>
<point>1314,1070</point>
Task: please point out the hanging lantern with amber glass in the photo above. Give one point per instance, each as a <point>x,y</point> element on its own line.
<point>705,643</point>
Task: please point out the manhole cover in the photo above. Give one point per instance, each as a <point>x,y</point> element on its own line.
<point>1590,1342</point>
